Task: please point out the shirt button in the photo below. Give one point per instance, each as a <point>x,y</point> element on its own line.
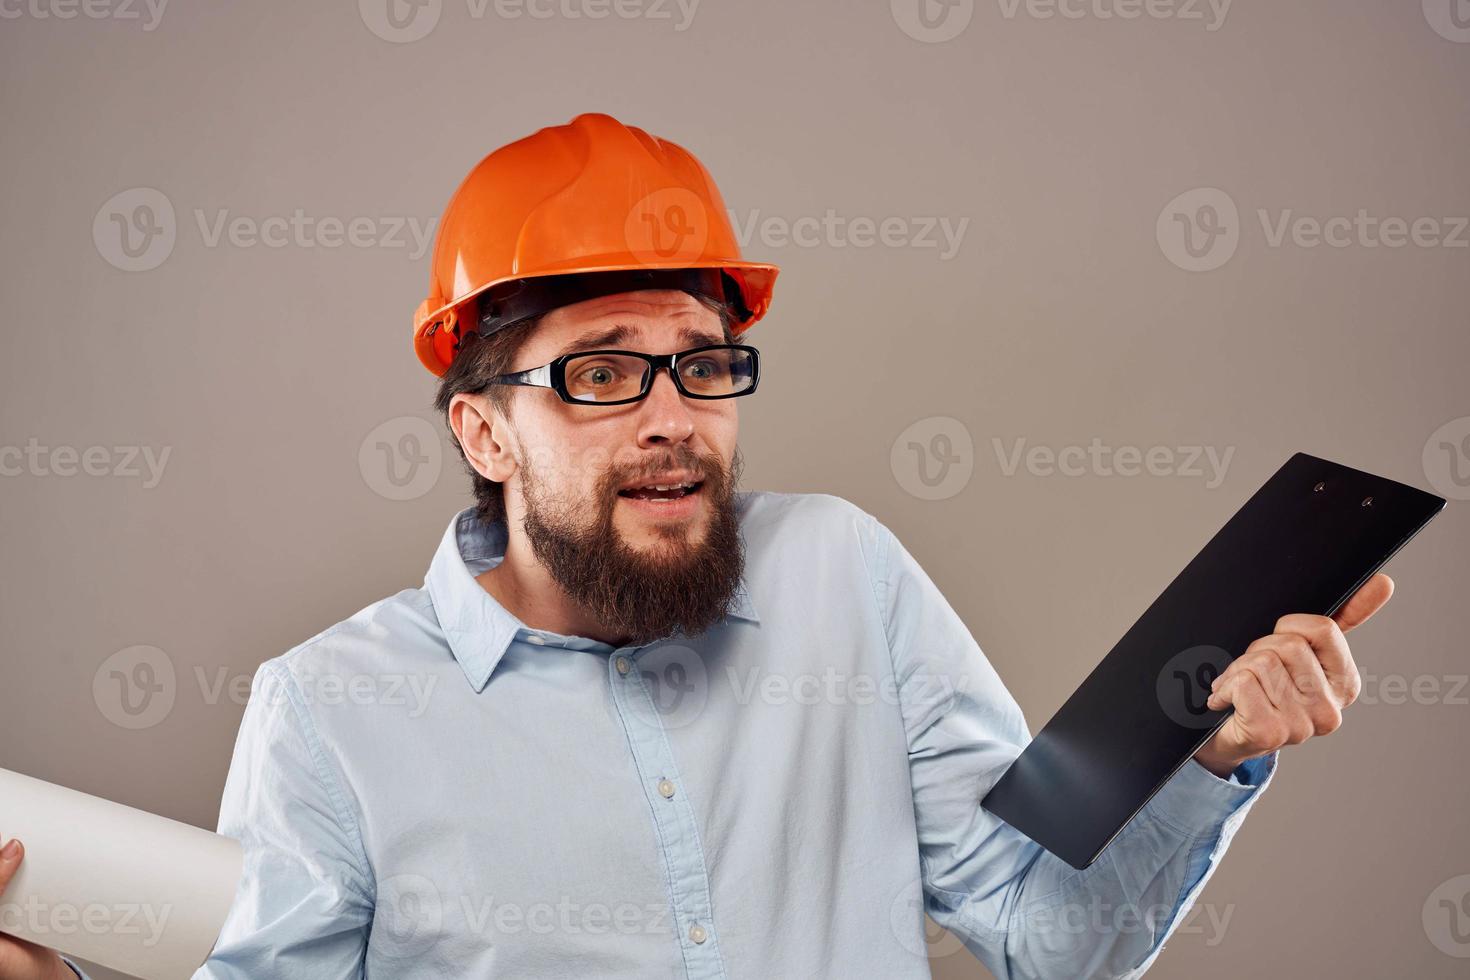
<point>622,665</point>
<point>666,788</point>
<point>535,638</point>
<point>697,933</point>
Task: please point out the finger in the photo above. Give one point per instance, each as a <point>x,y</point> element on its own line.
<point>1316,707</point>
<point>1330,647</point>
<point>1266,724</point>
<point>21,957</point>
<point>1272,675</point>
<point>1245,694</point>
<point>1225,692</point>
<point>1321,702</point>
<point>1295,651</point>
<point>1267,670</point>
<point>10,856</point>
<point>1299,714</point>
<point>1365,602</point>
<point>18,957</point>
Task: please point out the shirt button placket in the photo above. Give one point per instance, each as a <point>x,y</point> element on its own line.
<point>674,822</point>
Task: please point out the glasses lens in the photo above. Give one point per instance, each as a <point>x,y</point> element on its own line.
<point>605,377</point>
<point>717,372</point>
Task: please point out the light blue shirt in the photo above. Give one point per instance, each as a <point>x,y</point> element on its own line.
<point>432,789</point>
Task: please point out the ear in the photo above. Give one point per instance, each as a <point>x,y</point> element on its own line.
<point>485,436</point>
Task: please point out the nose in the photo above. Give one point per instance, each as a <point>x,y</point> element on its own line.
<point>664,416</point>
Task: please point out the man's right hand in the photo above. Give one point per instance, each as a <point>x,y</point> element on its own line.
<point>20,960</point>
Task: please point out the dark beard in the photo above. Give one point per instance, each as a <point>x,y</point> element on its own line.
<point>644,597</point>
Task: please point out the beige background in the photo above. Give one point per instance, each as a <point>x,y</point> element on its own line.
<point>1060,319</point>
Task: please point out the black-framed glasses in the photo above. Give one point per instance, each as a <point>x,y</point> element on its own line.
<point>617,377</point>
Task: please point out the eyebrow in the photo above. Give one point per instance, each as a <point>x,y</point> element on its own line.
<point>619,334</point>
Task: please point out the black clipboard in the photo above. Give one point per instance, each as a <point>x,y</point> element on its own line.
<point>1304,542</point>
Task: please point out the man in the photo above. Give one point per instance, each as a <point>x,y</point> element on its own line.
<point>669,729</point>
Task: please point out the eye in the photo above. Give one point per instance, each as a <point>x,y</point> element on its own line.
<point>703,368</point>
<point>597,375</point>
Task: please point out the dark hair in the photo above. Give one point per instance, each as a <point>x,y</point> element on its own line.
<point>478,359</point>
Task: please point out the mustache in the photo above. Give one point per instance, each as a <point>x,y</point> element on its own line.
<point>702,467</point>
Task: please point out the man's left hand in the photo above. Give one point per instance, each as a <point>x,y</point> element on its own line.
<point>1291,685</point>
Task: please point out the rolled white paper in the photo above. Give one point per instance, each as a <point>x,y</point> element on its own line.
<point>104,882</point>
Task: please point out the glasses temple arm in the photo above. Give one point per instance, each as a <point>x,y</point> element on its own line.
<point>538,377</point>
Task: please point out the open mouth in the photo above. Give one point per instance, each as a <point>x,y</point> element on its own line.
<point>662,491</point>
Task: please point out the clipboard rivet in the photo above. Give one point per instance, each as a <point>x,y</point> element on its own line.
<point>1367,501</point>
<point>1319,488</point>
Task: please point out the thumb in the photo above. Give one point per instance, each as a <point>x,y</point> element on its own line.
<point>1365,602</point>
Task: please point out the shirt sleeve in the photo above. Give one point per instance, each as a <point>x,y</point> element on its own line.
<point>1021,910</point>
<point>304,905</point>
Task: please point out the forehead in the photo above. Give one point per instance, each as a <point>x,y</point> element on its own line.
<point>653,320</point>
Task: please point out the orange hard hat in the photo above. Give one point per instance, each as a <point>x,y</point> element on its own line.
<point>576,211</point>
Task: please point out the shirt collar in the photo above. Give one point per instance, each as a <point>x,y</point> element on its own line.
<point>477,627</point>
